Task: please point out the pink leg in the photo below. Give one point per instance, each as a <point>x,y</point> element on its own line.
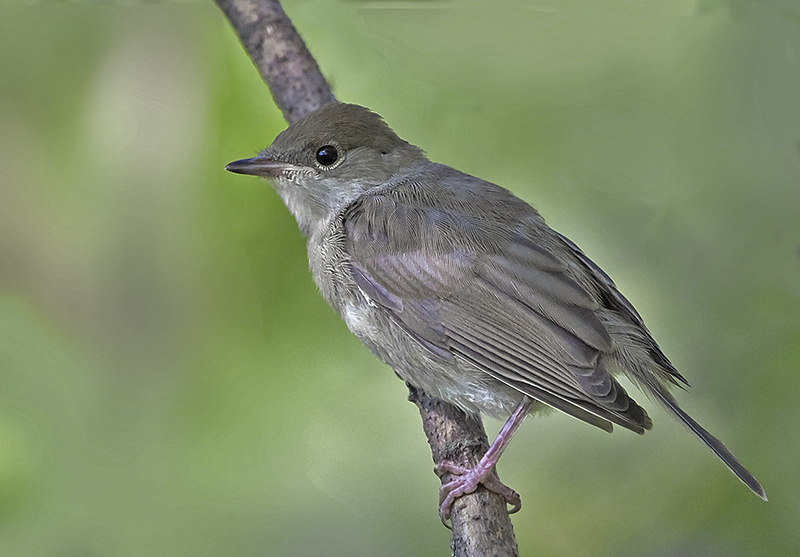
<point>467,480</point>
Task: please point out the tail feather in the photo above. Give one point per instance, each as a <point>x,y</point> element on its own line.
<point>717,446</point>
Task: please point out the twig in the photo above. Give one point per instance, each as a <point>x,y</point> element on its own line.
<point>280,55</point>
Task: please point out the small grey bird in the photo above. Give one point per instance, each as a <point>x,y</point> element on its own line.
<point>462,288</point>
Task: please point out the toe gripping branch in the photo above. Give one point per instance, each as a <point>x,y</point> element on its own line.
<point>466,480</point>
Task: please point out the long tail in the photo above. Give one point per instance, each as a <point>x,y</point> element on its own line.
<point>715,445</point>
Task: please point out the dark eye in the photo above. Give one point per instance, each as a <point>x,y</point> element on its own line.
<point>327,155</point>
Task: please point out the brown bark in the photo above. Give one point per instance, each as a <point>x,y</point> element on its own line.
<point>281,56</point>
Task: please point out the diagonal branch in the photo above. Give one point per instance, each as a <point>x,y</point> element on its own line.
<point>280,55</point>
<point>480,521</point>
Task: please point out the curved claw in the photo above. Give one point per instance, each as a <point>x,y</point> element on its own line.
<point>466,481</point>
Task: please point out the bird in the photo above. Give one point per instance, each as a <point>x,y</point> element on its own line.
<point>463,289</point>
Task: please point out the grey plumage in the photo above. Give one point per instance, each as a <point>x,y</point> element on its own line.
<point>459,285</point>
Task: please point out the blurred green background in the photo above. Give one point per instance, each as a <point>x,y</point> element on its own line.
<point>172,385</point>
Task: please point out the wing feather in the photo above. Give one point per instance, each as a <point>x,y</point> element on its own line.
<point>497,300</point>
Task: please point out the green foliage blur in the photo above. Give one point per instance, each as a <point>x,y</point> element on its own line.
<point>172,385</point>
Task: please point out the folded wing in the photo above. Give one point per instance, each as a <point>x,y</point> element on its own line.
<point>468,290</point>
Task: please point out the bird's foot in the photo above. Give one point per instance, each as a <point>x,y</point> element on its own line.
<point>466,480</point>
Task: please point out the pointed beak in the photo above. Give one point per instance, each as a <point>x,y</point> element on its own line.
<point>262,165</point>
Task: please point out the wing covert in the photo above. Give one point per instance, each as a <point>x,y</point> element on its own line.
<point>497,300</point>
